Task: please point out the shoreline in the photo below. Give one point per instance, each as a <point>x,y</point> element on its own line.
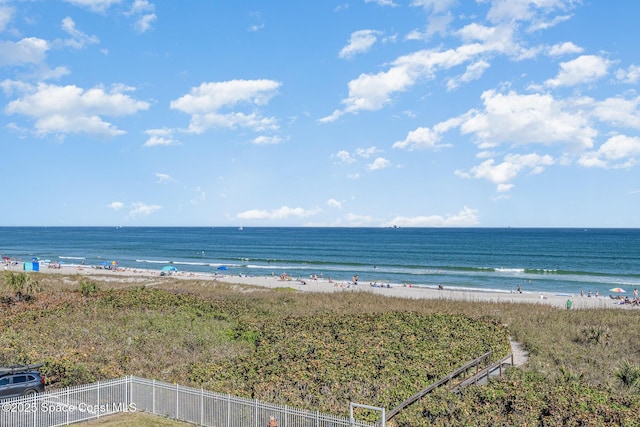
<point>324,285</point>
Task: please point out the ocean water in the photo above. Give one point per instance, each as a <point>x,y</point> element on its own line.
<point>563,261</point>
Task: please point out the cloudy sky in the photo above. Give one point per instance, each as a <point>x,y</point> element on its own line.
<point>414,113</point>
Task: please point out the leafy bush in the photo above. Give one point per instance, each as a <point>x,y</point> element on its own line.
<point>87,288</point>
<point>21,283</point>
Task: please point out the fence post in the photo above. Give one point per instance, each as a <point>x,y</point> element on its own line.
<point>177,403</point>
<point>229,410</point>
<point>35,413</point>
<point>67,394</point>
<point>98,402</point>
<point>255,412</point>
<point>201,406</point>
<point>153,396</point>
<point>285,418</point>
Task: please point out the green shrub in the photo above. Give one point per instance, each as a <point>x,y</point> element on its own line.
<point>629,375</point>
<point>87,288</point>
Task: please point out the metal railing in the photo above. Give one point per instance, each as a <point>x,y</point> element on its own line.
<point>133,394</point>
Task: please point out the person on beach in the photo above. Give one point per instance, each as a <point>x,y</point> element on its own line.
<point>273,422</point>
<point>519,289</point>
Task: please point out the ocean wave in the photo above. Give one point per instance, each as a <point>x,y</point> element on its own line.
<point>151,261</point>
<point>72,257</point>
<point>509,270</point>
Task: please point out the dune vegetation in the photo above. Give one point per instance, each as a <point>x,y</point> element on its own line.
<point>321,351</point>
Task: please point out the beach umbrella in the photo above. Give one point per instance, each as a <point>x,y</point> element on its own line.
<point>222,267</point>
<point>169,268</point>
<point>617,290</point>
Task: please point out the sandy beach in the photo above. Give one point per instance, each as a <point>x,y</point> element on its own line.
<point>324,285</point>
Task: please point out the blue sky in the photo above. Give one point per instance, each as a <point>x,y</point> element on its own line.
<point>418,113</point>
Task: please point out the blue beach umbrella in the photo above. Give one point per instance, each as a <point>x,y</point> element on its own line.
<point>169,268</point>
<point>222,267</point>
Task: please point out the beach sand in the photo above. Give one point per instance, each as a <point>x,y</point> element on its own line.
<point>323,285</point>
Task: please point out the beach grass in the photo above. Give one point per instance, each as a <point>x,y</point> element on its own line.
<point>193,332</point>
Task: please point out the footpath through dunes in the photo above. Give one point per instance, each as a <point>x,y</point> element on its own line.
<point>520,355</point>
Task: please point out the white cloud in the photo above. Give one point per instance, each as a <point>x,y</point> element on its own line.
<point>70,109</point>
<point>142,6</point>
<point>378,164</point>
<point>343,156</point>
<point>523,119</point>
<point>367,152</point>
<point>421,138</point>
<point>382,2</point>
<point>142,209</point>
<point>31,50</point>
<point>277,214</point>
<point>143,24</point>
<point>266,140</point>
<point>160,137</point>
<point>474,72</point>
<point>360,42</point>
<point>565,48</point>
<point>136,208</point>
<point>357,220</point>
<point>6,15</point>
<point>546,23</point>
<point>204,102</point>
<point>94,5</point>
<point>503,188</point>
<point>435,6</point>
<point>334,203</point>
<point>619,112</point>
<point>501,174</point>
<point>373,91</point>
<point>163,178</point>
<point>583,69</point>
<point>143,13</point>
<point>217,95</point>
<point>630,75</point>
<point>78,39</point>
<point>465,218</point>
<point>619,151</point>
<point>536,11</point>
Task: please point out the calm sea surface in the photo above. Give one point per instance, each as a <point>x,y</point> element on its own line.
<point>550,260</point>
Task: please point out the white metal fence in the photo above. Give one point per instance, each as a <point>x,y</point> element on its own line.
<point>133,394</point>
